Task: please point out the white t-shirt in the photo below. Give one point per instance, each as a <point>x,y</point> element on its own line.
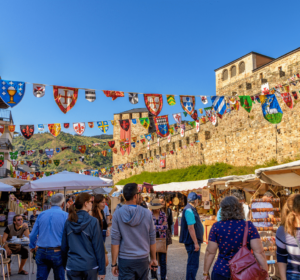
<point>246,210</point>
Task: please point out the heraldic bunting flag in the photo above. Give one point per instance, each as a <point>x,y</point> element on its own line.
<point>11,128</point>
<point>91,124</point>
<point>148,136</point>
<point>39,90</point>
<point>219,104</point>
<point>154,103</point>
<point>288,100</point>
<point>49,152</point>
<point>12,92</point>
<point>1,159</point>
<point>111,144</point>
<point>177,118</point>
<point>171,100</point>
<point>82,148</point>
<point>113,94</point>
<point>133,98</point>
<point>187,103</point>
<point>124,124</point>
<point>90,95</point>
<point>79,127</point>
<point>211,116</point>
<point>246,102</point>
<point>65,97</point>
<point>162,125</point>
<point>56,162</point>
<point>66,125</point>
<point>2,129</point>
<point>145,122</point>
<point>26,130</point>
<point>270,108</point>
<point>103,126</point>
<point>40,127</point>
<point>133,121</point>
<point>54,128</point>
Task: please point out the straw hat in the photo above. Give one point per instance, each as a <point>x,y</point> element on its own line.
<point>155,204</point>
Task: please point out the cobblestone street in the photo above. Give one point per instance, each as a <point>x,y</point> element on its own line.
<point>177,258</point>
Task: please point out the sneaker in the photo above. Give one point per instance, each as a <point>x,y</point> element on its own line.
<point>158,270</point>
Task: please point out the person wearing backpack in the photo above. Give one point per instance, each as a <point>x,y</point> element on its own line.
<point>228,236</point>
<point>288,239</point>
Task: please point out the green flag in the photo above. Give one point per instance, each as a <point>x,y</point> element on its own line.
<point>246,102</point>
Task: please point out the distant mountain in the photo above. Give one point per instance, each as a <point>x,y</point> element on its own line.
<point>103,136</point>
<point>42,141</point>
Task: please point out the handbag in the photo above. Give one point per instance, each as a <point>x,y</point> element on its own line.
<point>243,265</point>
<point>161,245</point>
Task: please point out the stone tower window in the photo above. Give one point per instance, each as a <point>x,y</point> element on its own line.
<point>140,156</point>
<point>233,71</point>
<point>130,116</point>
<point>196,137</point>
<point>242,67</point>
<point>187,140</point>
<point>167,148</point>
<point>179,144</point>
<point>225,75</point>
<point>159,150</point>
<point>155,152</point>
<point>174,148</point>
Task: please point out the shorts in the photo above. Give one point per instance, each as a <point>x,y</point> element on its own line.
<point>23,252</point>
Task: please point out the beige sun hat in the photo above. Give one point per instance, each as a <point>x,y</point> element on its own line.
<point>155,204</point>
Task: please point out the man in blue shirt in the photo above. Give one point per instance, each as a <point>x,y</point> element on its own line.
<point>191,235</point>
<point>46,238</point>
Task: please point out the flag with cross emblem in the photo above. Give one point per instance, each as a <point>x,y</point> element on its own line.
<point>103,126</point>
<point>65,97</point>
<point>154,103</point>
<point>79,127</point>
<point>49,152</point>
<point>124,124</point>
<point>162,125</point>
<point>12,92</point>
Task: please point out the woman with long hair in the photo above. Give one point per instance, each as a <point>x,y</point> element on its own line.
<point>161,225</point>
<point>227,235</point>
<point>98,213</point>
<point>82,245</point>
<point>288,240</point>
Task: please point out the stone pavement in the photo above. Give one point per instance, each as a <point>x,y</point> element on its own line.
<point>176,266</point>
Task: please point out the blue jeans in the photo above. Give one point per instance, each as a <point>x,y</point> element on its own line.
<point>216,276</point>
<point>163,267</point>
<point>104,235</point>
<point>292,276</point>
<point>193,261</point>
<point>47,259</point>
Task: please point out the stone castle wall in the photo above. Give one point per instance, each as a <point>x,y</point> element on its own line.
<point>240,138</point>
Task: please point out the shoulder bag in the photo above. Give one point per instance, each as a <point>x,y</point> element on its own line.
<point>161,245</point>
<point>243,265</point>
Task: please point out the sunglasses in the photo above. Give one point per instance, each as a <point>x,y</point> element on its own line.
<point>19,220</point>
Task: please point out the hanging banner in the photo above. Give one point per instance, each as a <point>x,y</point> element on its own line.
<point>26,130</point>
<point>265,88</point>
<point>90,95</point>
<point>162,125</point>
<point>246,102</point>
<point>14,163</point>
<point>82,149</point>
<point>40,127</point>
<point>195,115</point>
<point>2,129</point>
<point>103,126</point>
<point>203,120</point>
<point>56,162</point>
<point>203,99</point>
<point>57,150</point>
<point>157,141</point>
<point>133,144</point>
<point>49,152</point>
<point>12,92</point>
<point>1,159</point>
<point>133,98</point>
<point>288,100</point>
<point>133,121</point>
<point>295,95</point>
<point>66,125</point>
<point>65,97</point>
<point>211,116</point>
<point>171,100</point>
<point>197,126</point>
<point>113,94</point>
<point>177,118</point>
<point>154,103</point>
<point>145,122</point>
<point>188,103</point>
<point>219,104</point>
<point>111,144</point>
<point>79,127</point>
<point>30,152</point>
<point>39,90</point>
<point>124,124</point>
<point>54,129</point>
<point>148,136</point>
<point>11,128</point>
<point>270,108</point>
<point>234,104</point>
<point>169,138</point>
<point>182,130</point>
<point>148,145</point>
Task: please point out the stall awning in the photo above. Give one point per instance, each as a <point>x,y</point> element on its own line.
<point>181,186</point>
<point>286,175</point>
<point>232,180</point>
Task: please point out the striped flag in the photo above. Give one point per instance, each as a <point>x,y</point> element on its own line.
<point>90,95</point>
<point>219,104</point>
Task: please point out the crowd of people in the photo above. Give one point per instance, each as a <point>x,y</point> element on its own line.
<point>141,233</point>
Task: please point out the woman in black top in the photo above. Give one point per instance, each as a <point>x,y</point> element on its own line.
<point>98,207</point>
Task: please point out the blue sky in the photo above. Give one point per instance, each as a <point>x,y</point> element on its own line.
<point>148,46</point>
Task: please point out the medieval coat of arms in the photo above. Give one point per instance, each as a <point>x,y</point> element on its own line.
<point>65,97</point>
<point>188,103</point>
<point>79,127</point>
<point>162,125</point>
<point>154,103</point>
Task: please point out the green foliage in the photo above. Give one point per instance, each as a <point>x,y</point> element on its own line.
<point>197,172</point>
<point>42,141</point>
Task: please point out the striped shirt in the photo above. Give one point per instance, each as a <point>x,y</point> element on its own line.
<point>288,250</point>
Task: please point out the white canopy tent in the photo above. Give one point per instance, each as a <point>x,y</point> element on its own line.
<point>181,186</point>
<point>66,181</point>
<point>13,181</point>
<point>286,175</point>
<point>6,188</point>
